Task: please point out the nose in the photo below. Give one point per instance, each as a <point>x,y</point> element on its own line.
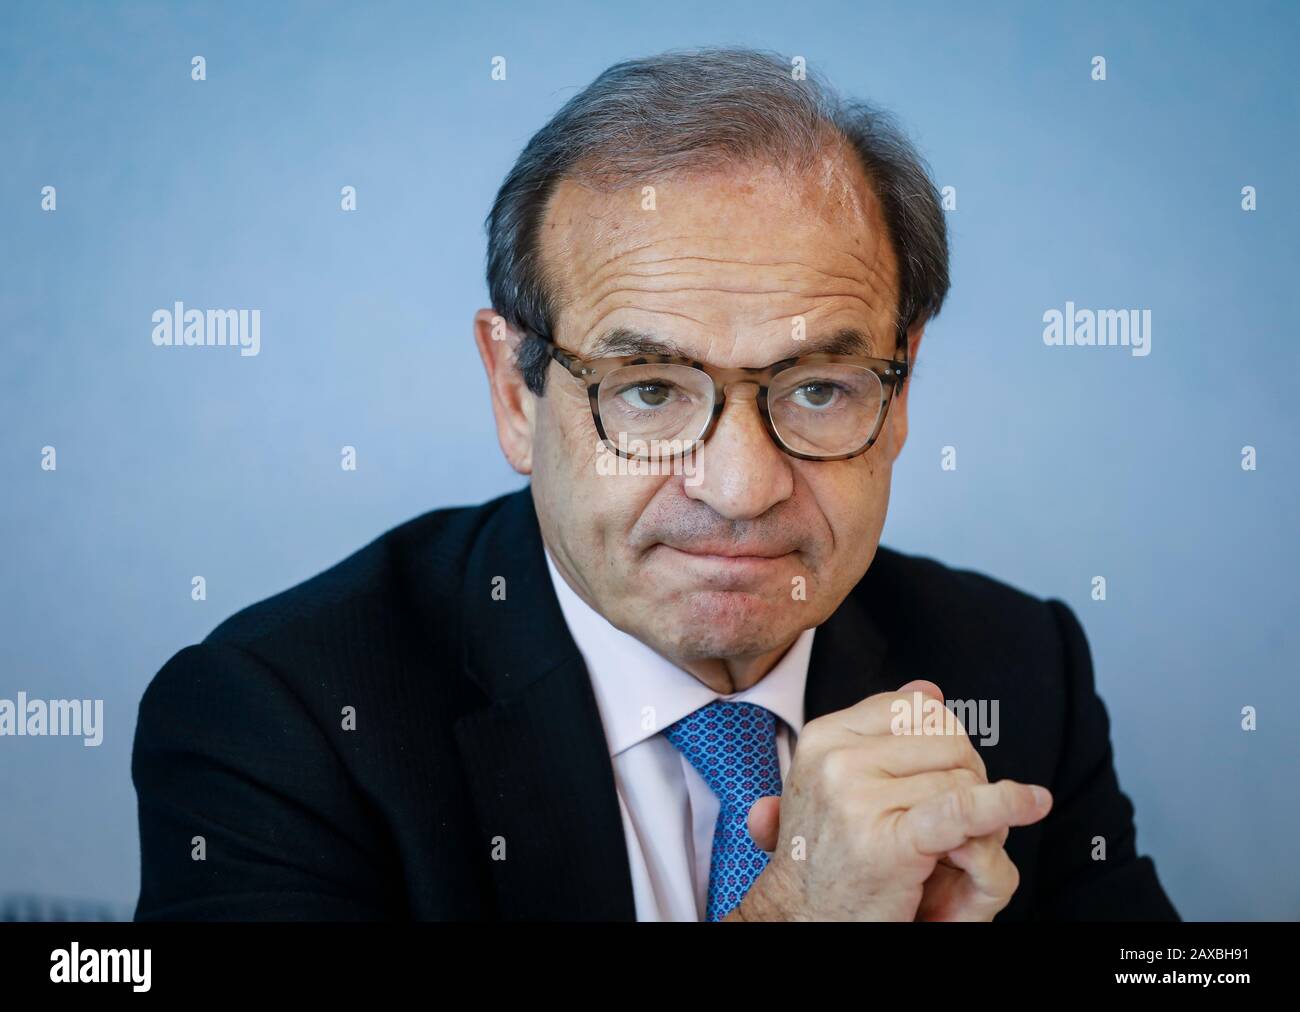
<point>741,472</point>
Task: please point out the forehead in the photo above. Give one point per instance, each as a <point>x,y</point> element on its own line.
<point>721,261</point>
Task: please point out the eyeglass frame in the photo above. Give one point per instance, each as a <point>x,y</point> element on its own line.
<point>591,372</point>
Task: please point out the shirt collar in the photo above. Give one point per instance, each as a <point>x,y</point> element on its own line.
<point>639,692</point>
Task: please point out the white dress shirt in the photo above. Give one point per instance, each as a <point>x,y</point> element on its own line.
<point>669,812</point>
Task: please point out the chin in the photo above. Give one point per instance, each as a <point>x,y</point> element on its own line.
<point>729,624</point>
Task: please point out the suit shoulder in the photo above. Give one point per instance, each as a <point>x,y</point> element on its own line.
<point>922,595</point>
<point>923,574</point>
<point>394,573</point>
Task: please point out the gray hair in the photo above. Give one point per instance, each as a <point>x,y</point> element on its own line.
<point>692,109</point>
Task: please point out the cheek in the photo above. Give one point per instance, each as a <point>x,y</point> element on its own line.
<point>569,440</point>
<point>560,463</point>
<point>853,500</point>
<point>590,507</point>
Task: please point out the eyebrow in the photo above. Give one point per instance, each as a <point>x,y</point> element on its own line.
<point>624,341</point>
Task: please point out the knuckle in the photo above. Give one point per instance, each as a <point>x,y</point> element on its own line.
<point>956,750</point>
<point>1013,876</point>
<point>814,734</point>
<point>1015,799</point>
<point>959,804</point>
<point>838,765</point>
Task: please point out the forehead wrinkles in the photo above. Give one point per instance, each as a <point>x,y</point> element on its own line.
<point>672,262</point>
<point>652,273</point>
<point>605,253</point>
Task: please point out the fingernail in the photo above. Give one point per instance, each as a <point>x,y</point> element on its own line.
<point>1042,798</point>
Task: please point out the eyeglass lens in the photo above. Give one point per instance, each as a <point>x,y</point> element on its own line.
<point>819,409</point>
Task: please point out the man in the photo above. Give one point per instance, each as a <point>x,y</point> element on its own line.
<point>675,677</point>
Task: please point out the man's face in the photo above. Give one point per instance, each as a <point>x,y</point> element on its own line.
<point>708,566</point>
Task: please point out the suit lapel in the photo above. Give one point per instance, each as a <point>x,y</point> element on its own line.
<point>848,660</point>
<point>536,757</point>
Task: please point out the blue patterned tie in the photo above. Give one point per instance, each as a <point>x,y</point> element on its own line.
<point>733,747</point>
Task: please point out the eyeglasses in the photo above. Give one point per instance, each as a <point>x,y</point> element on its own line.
<point>818,406</point>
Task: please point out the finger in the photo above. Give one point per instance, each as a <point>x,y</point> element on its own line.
<point>991,877</point>
<point>990,880</point>
<point>765,822</point>
<point>906,754</point>
<point>943,823</point>
<point>910,791</point>
<point>879,714</point>
<point>1000,838</point>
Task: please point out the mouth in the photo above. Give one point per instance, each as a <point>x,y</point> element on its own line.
<point>740,559</point>
<point>723,550</point>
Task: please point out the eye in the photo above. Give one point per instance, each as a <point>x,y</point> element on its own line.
<point>815,394</point>
<point>647,396</point>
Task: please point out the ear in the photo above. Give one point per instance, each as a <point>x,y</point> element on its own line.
<point>898,409</point>
<point>513,404</point>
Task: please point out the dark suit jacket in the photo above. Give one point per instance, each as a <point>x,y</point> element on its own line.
<point>474,719</point>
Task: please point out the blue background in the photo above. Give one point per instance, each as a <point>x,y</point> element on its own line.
<point>1072,462</point>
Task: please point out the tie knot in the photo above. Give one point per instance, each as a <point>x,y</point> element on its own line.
<point>732,745</point>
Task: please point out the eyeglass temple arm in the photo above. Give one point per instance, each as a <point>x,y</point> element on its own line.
<point>571,363</point>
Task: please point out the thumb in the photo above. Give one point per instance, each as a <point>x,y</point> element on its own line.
<point>924,687</point>
<point>765,822</point>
